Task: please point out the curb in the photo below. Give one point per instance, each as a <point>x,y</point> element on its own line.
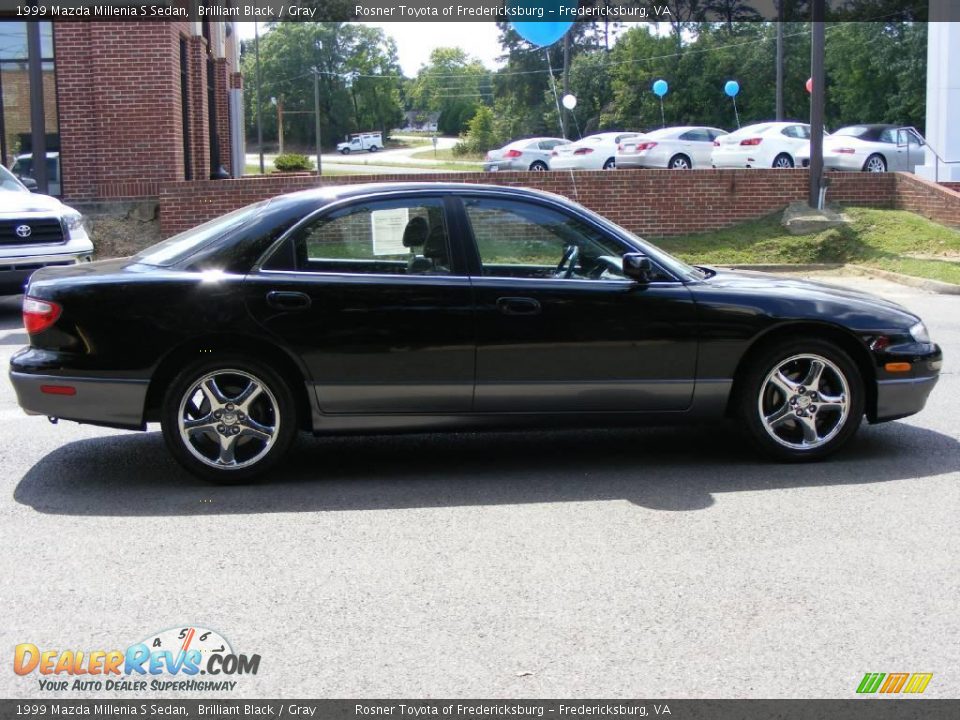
<point>934,286</point>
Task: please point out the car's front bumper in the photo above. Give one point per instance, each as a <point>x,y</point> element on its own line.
<point>899,397</point>
<point>109,402</point>
<point>15,271</point>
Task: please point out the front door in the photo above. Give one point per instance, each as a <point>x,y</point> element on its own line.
<point>368,295</point>
<point>560,328</point>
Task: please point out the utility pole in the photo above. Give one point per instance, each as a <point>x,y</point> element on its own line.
<point>780,112</point>
<point>280,124</point>
<point>817,98</point>
<point>316,112</point>
<point>566,80</point>
<point>256,47</point>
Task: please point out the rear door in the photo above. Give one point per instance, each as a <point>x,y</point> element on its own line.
<point>374,301</point>
<point>697,143</point>
<point>559,327</point>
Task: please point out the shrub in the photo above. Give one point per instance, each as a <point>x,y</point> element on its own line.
<point>292,162</point>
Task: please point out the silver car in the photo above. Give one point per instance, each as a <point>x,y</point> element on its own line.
<point>677,148</point>
<point>529,154</point>
<point>870,148</point>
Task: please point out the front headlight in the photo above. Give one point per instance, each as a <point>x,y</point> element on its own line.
<point>73,220</point>
<point>919,333</point>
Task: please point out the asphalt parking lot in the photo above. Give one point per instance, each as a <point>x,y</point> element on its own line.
<point>632,563</point>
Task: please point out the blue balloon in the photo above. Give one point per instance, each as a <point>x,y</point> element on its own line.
<point>660,88</point>
<point>731,88</point>
<point>539,32</point>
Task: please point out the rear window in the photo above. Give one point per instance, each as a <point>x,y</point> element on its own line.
<point>180,247</point>
<point>852,131</point>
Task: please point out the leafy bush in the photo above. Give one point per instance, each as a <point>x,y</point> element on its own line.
<point>292,162</point>
<point>481,134</point>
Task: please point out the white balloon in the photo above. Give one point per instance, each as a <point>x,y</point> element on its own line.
<point>569,101</point>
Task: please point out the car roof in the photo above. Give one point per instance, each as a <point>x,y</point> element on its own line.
<point>333,193</point>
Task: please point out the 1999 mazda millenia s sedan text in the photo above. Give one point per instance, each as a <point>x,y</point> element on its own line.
<point>403,307</point>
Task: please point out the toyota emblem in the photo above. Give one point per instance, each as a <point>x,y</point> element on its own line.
<point>23,231</point>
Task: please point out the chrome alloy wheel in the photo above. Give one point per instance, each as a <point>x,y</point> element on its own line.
<point>876,164</point>
<point>804,402</point>
<point>228,419</point>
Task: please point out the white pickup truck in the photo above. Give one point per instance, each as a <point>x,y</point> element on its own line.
<point>370,141</point>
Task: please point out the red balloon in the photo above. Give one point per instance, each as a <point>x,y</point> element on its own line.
<point>809,85</point>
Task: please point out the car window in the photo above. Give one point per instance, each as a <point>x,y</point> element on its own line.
<point>889,135</point>
<point>714,134</point>
<point>550,144</point>
<point>518,239</point>
<point>394,237</point>
<point>696,135</point>
<point>796,131</point>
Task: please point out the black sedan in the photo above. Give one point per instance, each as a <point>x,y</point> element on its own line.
<point>410,307</point>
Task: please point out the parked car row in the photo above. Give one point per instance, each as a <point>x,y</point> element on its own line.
<point>783,145</point>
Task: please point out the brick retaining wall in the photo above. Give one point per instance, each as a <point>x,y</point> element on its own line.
<point>653,203</point>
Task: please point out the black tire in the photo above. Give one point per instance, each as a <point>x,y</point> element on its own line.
<point>373,148</point>
<point>538,166</point>
<point>875,163</point>
<point>273,408</point>
<point>760,397</point>
<point>782,161</point>
<point>345,151</point>
<point>610,164</point>
<point>680,162</point>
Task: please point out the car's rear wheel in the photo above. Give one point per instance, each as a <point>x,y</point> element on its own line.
<point>875,163</point>
<point>679,162</point>
<point>373,148</point>
<point>783,161</point>
<point>801,399</point>
<point>538,166</point>
<point>610,164</point>
<point>228,419</point>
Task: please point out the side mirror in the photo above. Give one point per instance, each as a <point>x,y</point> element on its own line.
<point>638,267</point>
<point>29,183</point>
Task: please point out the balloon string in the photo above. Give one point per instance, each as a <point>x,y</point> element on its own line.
<point>663,121</point>
<point>736,112</point>
<point>556,97</point>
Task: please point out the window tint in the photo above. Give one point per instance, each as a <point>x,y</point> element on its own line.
<point>714,134</point>
<point>517,239</point>
<point>396,237</point>
<point>550,144</point>
<point>697,135</point>
<point>889,135</point>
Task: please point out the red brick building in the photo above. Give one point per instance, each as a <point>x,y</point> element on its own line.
<point>134,104</point>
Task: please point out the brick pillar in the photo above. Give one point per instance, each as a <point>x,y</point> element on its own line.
<point>198,112</point>
<point>221,91</point>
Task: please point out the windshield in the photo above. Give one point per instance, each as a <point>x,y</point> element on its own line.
<point>179,247</point>
<point>9,182</point>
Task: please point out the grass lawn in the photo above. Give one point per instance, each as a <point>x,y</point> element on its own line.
<point>447,154</point>
<point>882,239</point>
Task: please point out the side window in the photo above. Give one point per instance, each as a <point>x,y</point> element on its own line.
<point>697,135</point>
<point>889,135</point>
<point>395,237</point>
<point>518,239</point>
<point>714,134</point>
<point>549,144</point>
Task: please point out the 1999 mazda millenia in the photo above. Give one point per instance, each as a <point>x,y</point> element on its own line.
<point>407,307</point>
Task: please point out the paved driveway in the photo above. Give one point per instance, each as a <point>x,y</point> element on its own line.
<point>641,563</point>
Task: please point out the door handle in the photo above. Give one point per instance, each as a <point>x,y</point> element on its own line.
<point>518,306</point>
<point>280,300</point>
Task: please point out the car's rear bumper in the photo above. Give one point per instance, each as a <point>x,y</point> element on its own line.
<point>109,402</point>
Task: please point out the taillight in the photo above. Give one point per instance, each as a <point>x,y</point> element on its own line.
<point>583,151</point>
<point>646,146</point>
<point>845,151</point>
<point>554,154</point>
<point>38,315</point>
<point>512,153</point>
<point>716,143</point>
<point>751,141</point>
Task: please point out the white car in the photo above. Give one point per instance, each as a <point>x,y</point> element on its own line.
<point>678,148</point>
<point>36,231</point>
<point>528,154</point>
<point>870,148</point>
<point>764,145</point>
<point>594,152</point>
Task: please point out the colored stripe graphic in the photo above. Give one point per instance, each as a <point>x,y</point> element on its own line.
<point>870,682</point>
<point>894,683</point>
<point>918,682</point>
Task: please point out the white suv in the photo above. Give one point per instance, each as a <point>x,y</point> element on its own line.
<point>36,231</point>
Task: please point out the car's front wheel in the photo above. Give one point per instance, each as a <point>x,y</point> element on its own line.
<point>538,166</point>
<point>228,419</point>
<point>801,399</point>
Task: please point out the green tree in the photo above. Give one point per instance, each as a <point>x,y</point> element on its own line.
<point>453,84</point>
